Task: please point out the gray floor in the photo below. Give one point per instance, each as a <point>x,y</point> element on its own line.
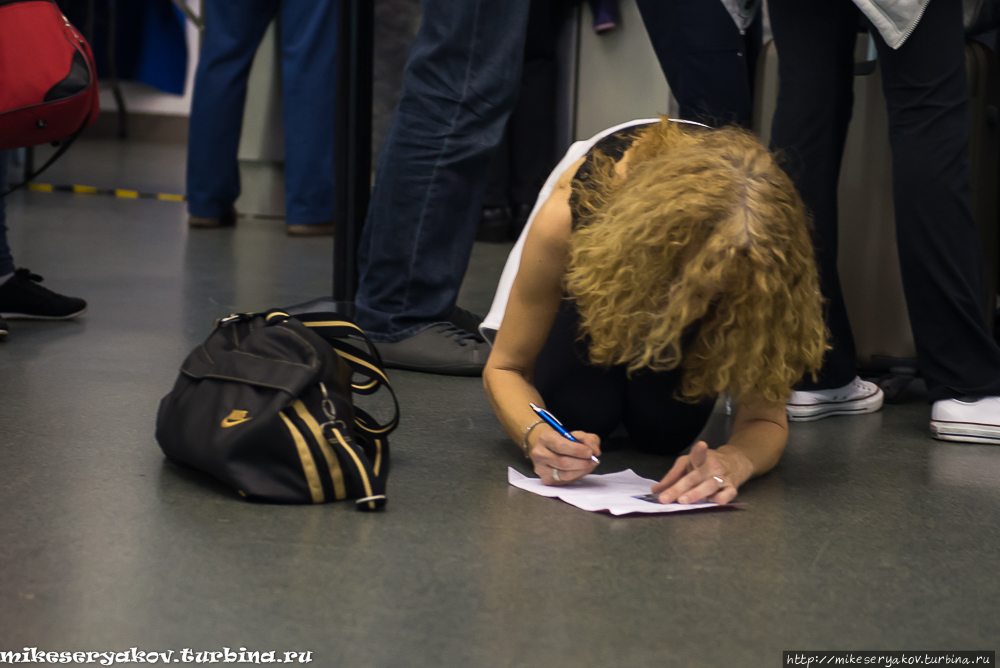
<point>868,535</point>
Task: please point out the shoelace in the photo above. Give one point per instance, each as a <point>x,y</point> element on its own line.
<point>26,275</point>
<point>461,336</point>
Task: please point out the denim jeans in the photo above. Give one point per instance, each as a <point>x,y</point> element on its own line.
<point>233,31</point>
<point>6,260</point>
<point>459,87</point>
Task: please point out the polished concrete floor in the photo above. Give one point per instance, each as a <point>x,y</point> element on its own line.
<point>868,535</point>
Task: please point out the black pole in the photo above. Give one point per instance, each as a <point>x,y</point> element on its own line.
<point>353,143</point>
<point>352,154</point>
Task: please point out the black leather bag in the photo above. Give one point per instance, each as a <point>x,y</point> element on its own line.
<point>266,406</point>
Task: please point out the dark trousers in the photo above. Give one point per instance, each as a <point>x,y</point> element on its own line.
<point>459,87</point>
<point>927,94</point>
<point>597,400</point>
<point>708,63</point>
<point>233,31</point>
<point>527,151</point>
<point>6,259</point>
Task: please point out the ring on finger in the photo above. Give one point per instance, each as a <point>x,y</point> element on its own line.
<point>722,483</point>
<point>555,475</point>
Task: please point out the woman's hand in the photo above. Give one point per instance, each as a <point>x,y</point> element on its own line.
<point>558,460</point>
<point>696,477</point>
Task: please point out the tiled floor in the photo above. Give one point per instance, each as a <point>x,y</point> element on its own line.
<point>868,535</point>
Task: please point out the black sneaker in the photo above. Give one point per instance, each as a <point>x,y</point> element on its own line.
<point>23,298</point>
<point>441,348</point>
<point>3,329</point>
<point>468,321</point>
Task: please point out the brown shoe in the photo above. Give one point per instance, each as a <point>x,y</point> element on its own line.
<point>317,230</point>
<point>228,219</point>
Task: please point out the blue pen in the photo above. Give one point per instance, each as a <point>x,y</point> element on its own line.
<point>551,420</point>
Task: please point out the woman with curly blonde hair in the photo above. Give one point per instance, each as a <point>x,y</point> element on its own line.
<point>669,264</point>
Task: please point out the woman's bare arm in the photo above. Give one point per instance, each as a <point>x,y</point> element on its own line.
<point>755,446</point>
<point>531,310</point>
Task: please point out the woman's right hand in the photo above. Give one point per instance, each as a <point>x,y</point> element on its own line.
<point>550,453</point>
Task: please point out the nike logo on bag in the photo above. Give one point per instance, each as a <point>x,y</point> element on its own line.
<point>235,418</point>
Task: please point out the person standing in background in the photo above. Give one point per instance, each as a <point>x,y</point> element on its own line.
<point>308,38</point>
<point>460,85</point>
<point>22,297</point>
<point>922,58</point>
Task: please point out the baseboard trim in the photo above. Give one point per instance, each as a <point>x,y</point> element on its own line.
<point>153,128</point>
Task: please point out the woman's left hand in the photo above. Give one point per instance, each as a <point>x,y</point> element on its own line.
<point>696,477</point>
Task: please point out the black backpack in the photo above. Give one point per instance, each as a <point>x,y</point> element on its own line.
<point>266,406</point>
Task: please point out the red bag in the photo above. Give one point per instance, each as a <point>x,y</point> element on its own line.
<point>48,81</point>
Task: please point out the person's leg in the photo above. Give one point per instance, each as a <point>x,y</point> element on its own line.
<point>497,193</point>
<point>309,77</point>
<point>495,219</point>
<point>22,297</point>
<point>656,420</point>
<point>704,58</point>
<point>940,256</point>
<point>815,42</point>
<point>460,84</point>
<point>532,126</point>
<point>582,396</point>
<point>6,258</point>
<point>233,30</point>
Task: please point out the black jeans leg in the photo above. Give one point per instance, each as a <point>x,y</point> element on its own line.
<point>940,255</point>
<point>708,63</point>
<point>815,43</point>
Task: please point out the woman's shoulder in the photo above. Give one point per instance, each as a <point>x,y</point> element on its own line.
<point>553,223</point>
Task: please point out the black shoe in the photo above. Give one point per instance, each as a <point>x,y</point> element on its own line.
<point>468,321</point>
<point>228,219</point>
<point>494,224</point>
<point>23,298</point>
<point>441,348</point>
<point>3,329</point>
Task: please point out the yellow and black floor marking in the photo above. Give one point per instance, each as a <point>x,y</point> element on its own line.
<point>129,194</point>
<point>114,192</point>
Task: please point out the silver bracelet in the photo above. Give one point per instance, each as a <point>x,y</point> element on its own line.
<point>524,439</point>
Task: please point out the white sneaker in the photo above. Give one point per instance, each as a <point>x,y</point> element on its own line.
<point>858,396</point>
<point>970,420</point>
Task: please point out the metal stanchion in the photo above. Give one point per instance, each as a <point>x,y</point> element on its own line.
<point>354,139</point>
<point>353,159</point>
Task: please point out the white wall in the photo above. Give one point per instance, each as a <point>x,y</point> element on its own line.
<point>143,99</point>
<point>619,77</point>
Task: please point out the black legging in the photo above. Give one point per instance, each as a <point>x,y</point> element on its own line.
<point>596,400</point>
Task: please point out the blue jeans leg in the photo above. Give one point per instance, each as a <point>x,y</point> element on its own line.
<point>233,31</point>
<point>309,73</point>
<point>6,259</point>
<point>459,87</point>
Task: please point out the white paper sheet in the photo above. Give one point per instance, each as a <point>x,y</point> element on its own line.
<point>613,492</point>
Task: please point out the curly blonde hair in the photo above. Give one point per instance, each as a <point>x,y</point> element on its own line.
<point>706,232</point>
